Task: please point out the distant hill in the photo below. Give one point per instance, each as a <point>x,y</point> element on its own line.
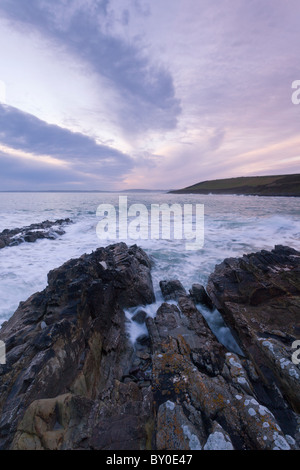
<point>281,185</point>
<point>143,191</point>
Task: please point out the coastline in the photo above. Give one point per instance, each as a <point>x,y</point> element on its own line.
<point>270,186</point>
<point>231,194</point>
<point>69,360</point>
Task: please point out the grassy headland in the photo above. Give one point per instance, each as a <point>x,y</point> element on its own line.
<point>280,185</point>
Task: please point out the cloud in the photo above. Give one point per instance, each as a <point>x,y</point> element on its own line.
<point>26,132</point>
<point>188,90</point>
<point>20,173</point>
<point>145,89</point>
<point>143,8</point>
<point>68,151</point>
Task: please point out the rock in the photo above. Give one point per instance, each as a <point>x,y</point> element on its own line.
<point>237,373</point>
<point>207,353</point>
<point>171,290</point>
<point>174,430</point>
<point>143,340</point>
<point>74,381</point>
<point>33,232</point>
<point>199,295</point>
<point>140,317</point>
<point>205,398</point>
<point>67,351</point>
<point>218,439</point>
<point>218,394</point>
<point>259,298</point>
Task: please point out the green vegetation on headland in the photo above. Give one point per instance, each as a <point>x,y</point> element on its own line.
<point>282,185</point>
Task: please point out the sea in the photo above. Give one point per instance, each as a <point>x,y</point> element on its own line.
<point>233,225</point>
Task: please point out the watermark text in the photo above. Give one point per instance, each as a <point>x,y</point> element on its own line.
<point>2,353</point>
<point>160,221</point>
<point>296,93</point>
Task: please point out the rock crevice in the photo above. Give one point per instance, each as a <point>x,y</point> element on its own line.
<point>73,379</point>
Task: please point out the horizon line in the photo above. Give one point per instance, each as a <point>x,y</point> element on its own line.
<point>81,190</point>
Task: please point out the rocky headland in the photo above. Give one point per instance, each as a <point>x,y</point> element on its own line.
<point>73,380</point>
<point>31,233</point>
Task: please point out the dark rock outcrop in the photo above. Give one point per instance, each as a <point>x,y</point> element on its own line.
<point>259,298</point>
<point>171,290</point>
<point>199,295</point>
<point>207,397</point>
<point>33,232</point>
<point>67,354</point>
<point>73,379</point>
<point>140,317</point>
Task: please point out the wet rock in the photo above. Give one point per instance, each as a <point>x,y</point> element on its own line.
<point>199,295</point>
<point>74,381</point>
<point>171,290</point>
<point>220,393</point>
<point>259,298</point>
<point>143,340</point>
<point>68,345</point>
<point>33,232</point>
<point>140,317</point>
<point>206,399</point>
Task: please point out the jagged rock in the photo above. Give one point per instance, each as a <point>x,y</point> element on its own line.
<point>140,317</point>
<point>174,430</point>
<point>33,232</point>
<point>207,353</point>
<point>205,397</point>
<point>218,439</point>
<point>259,298</point>
<point>143,340</point>
<point>199,295</point>
<point>219,392</point>
<point>66,347</point>
<point>73,380</point>
<point>237,373</point>
<point>171,290</point>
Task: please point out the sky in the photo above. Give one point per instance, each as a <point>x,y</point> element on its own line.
<point>160,94</point>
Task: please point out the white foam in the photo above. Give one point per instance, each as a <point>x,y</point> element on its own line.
<point>234,225</point>
<point>221,331</point>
